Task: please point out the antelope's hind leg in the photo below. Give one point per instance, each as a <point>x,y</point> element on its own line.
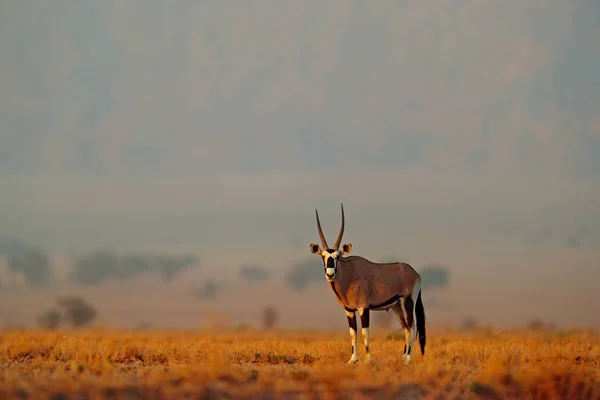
<point>408,307</point>
<point>405,323</point>
<point>364,323</point>
<point>352,324</point>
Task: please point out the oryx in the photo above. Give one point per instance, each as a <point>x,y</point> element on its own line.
<point>362,285</point>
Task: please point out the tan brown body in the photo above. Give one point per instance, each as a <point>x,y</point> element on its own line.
<point>362,284</point>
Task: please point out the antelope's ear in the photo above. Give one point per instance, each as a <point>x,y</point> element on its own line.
<point>315,249</point>
<point>347,248</point>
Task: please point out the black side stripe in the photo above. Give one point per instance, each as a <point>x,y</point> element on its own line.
<point>387,303</point>
<point>340,299</point>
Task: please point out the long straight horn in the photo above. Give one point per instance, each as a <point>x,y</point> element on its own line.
<point>323,241</point>
<point>339,238</point>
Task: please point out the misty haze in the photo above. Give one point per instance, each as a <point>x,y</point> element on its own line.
<point>160,165</point>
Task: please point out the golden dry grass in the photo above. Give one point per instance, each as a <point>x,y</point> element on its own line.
<point>157,365</point>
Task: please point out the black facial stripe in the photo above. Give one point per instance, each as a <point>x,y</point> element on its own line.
<point>330,251</point>
<point>330,263</point>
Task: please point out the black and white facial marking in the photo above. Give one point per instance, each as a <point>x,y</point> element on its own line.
<point>330,260</point>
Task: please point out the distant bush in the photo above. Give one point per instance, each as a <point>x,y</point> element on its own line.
<point>49,320</point>
<point>207,291</point>
<point>468,324</point>
<point>77,312</point>
<point>302,273</point>
<point>253,273</point>
<point>538,324</point>
<point>269,317</point>
<point>100,266</point>
<point>143,326</point>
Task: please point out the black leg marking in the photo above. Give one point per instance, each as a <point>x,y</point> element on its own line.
<point>352,325</point>
<point>408,310</point>
<point>365,318</point>
<point>408,305</point>
<point>404,352</point>
<point>364,323</point>
<point>352,322</point>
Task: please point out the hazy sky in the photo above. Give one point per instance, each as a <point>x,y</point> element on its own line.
<point>451,131</point>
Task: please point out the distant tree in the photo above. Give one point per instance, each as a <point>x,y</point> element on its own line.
<point>468,324</point>
<point>253,273</point>
<point>434,276</point>
<point>33,264</point>
<point>95,268</point>
<point>98,267</point>
<point>270,317</point>
<point>207,291</point>
<point>302,273</point>
<point>10,246</point>
<point>131,265</point>
<point>49,320</point>
<point>77,311</point>
<point>171,266</point>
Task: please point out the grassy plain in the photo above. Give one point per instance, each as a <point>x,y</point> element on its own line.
<point>284,364</point>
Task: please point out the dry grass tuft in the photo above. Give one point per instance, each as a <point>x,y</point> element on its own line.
<point>139,365</point>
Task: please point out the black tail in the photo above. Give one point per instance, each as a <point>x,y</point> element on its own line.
<point>421,323</point>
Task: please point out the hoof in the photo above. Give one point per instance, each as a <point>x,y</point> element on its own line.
<point>369,359</point>
<point>353,360</point>
<point>407,359</point>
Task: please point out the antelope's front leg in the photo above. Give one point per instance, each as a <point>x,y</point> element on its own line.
<point>364,322</point>
<point>352,324</point>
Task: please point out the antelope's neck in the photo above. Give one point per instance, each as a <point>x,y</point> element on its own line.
<point>340,283</point>
<point>335,286</point>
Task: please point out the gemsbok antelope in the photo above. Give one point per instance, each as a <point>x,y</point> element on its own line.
<point>364,286</point>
